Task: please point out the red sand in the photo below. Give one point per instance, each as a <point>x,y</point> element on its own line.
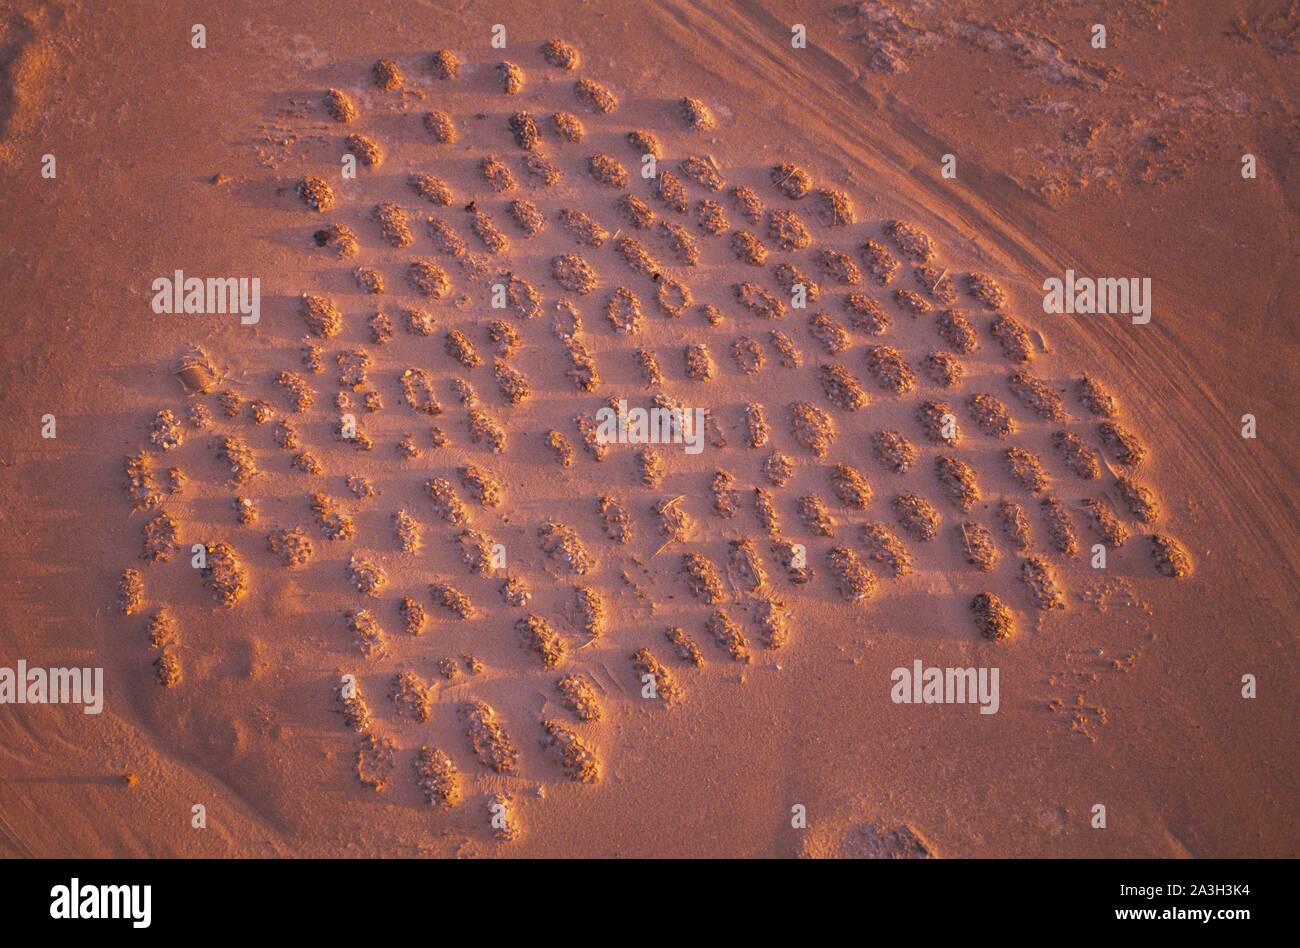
<point>1120,162</point>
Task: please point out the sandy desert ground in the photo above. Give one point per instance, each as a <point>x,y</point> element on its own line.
<point>912,433</point>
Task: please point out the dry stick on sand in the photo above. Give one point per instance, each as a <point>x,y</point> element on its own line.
<point>665,506</point>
